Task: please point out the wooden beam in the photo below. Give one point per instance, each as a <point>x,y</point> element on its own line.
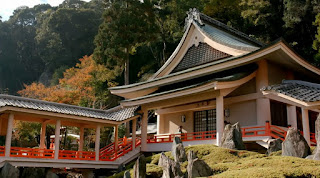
<point>208,104</point>
<point>182,100</point>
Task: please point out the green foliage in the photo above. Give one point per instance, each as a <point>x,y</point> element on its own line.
<point>290,19</point>
<point>26,134</point>
<point>36,41</point>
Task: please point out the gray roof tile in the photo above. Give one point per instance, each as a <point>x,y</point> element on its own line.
<point>197,55</point>
<point>301,90</point>
<point>229,29</point>
<point>114,114</point>
<point>226,38</point>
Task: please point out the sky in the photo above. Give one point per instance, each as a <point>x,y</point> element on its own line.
<point>8,6</point>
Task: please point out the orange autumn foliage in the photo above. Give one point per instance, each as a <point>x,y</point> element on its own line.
<point>76,87</point>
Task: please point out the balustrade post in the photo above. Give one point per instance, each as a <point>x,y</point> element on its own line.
<point>268,129</point>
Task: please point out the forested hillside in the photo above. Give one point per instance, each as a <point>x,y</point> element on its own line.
<point>39,43</point>
<point>126,41</point>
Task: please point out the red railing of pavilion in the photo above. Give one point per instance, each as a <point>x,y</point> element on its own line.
<point>111,153</point>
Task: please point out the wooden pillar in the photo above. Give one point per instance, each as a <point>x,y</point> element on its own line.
<point>127,124</point>
<point>9,135</point>
<point>57,139</point>
<point>144,131</point>
<point>81,138</point>
<point>262,104</point>
<point>134,129</point>
<point>43,135</point>
<point>116,139</point>
<point>292,116</point>
<point>219,119</point>
<point>158,124</point>
<point>305,124</point>
<point>97,142</point>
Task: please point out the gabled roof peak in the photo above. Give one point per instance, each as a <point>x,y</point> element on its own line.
<point>192,15</point>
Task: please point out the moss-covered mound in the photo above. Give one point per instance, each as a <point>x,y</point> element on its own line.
<point>233,163</point>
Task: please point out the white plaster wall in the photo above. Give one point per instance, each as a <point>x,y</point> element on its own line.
<point>170,122</point>
<point>244,113</point>
<point>276,74</point>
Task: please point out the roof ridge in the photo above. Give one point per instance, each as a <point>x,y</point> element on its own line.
<point>229,29</point>
<point>300,82</point>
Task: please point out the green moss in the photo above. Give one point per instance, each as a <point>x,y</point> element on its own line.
<point>154,170</point>
<point>118,175</point>
<point>235,163</point>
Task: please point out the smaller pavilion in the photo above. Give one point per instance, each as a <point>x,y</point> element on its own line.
<point>32,110</point>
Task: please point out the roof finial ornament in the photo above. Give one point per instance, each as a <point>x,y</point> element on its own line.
<point>193,15</point>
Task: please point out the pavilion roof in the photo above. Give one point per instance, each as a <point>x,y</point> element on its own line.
<point>114,114</point>
<point>297,89</point>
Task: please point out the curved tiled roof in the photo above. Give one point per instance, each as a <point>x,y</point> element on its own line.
<point>230,29</point>
<point>114,114</point>
<point>301,90</point>
<point>226,39</point>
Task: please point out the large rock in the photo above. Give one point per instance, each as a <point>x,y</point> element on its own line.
<point>316,153</point>
<point>126,174</point>
<point>33,172</point>
<point>274,145</point>
<point>232,137</point>
<point>51,174</point>
<point>9,171</point>
<point>171,169</point>
<point>140,167</point>
<point>295,144</point>
<point>197,167</point>
<point>178,152</point>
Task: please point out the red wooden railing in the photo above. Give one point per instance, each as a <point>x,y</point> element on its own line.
<point>2,150</point>
<point>313,137</point>
<point>207,135</point>
<point>111,152</point>
<point>257,131</point>
<point>77,155</point>
<point>122,149</point>
<point>31,152</point>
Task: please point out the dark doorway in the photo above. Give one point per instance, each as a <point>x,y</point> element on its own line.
<point>278,113</point>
